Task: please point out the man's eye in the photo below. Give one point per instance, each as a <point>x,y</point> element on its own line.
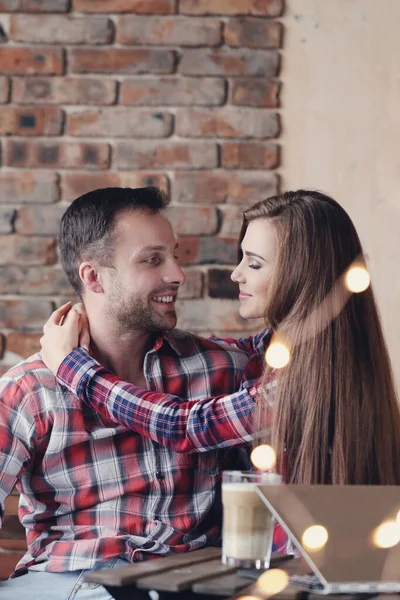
<point>152,260</point>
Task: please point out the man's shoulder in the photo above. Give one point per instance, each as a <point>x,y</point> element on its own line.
<point>191,344</point>
<point>28,376</point>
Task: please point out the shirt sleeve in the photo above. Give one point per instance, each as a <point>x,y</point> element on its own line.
<point>248,345</point>
<point>16,435</point>
<point>178,424</point>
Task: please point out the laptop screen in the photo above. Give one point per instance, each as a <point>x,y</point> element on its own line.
<point>353,523</point>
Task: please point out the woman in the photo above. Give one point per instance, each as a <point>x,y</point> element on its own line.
<point>332,412</point>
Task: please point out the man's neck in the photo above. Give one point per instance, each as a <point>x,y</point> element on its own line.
<point>123,354</point>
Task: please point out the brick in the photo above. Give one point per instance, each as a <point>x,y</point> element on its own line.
<point>31,280</point>
<point>7,216</point>
<point>63,90</point>
<point>9,562</point>
<point>120,60</point>
<point>119,121</point>
<point>65,155</point>
<point>32,187</point>
<point>31,61</point>
<point>39,220</point>
<point>193,220</point>
<point>27,313</point>
<point>251,91</point>
<point>60,29</point>
<point>21,250</point>
<point>22,343</point>
<point>229,61</point>
<point>240,187</point>
<point>232,219</point>
<point>4,26</point>
<point>34,6</point>
<point>208,250</point>
<point>226,122</point>
<point>253,33</point>
<point>76,184</point>
<point>4,89</point>
<point>267,8</point>
<point>249,155</point>
<point>174,91</point>
<point>209,314</point>
<point>220,284</point>
<point>144,7</point>
<point>193,286</point>
<point>174,155</point>
<point>30,121</point>
<point>179,31</point>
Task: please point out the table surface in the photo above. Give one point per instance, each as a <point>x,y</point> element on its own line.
<point>200,571</point>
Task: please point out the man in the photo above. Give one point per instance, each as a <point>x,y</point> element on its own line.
<point>93,494</point>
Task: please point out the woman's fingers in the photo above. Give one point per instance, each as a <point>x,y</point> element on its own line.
<point>57,316</point>
<point>58,341</point>
<point>84,331</point>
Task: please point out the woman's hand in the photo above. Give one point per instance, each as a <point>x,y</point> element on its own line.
<point>66,329</point>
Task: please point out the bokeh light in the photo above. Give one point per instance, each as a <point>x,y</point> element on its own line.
<point>386,535</point>
<point>277,355</point>
<point>263,457</point>
<point>357,279</point>
<point>315,537</point>
<point>248,598</point>
<point>273,581</point>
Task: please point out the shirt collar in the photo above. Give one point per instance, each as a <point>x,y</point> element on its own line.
<point>167,336</point>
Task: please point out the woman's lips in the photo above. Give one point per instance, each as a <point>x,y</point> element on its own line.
<point>243,296</point>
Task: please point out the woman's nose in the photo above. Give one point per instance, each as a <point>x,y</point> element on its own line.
<point>237,274</point>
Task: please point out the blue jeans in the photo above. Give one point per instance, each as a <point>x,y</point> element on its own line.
<point>39,585</point>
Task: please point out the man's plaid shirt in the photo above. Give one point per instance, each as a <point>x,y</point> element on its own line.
<point>92,490</point>
<point>182,425</point>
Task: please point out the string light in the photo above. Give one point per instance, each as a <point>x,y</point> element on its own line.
<point>357,279</point>
<point>263,457</point>
<point>277,355</point>
<point>315,537</point>
<point>386,535</point>
<point>273,581</point>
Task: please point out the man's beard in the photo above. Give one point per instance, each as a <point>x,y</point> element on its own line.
<point>136,313</point>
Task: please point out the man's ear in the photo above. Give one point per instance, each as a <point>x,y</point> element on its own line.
<point>91,278</point>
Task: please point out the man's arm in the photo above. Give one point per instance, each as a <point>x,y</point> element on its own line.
<point>183,426</point>
<point>16,435</point>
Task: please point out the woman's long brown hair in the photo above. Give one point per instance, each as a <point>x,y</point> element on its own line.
<point>336,416</point>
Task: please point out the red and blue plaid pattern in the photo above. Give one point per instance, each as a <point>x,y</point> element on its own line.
<point>92,489</point>
<point>179,424</point>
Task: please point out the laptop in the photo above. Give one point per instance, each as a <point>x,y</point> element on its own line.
<point>350,561</point>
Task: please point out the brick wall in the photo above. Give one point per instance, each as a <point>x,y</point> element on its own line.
<point>176,93</point>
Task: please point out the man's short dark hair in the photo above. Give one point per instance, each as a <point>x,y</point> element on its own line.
<point>88,225</point>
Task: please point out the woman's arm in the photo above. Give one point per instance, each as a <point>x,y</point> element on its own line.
<point>250,344</point>
<point>183,426</point>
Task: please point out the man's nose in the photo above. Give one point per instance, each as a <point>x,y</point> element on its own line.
<point>174,275</point>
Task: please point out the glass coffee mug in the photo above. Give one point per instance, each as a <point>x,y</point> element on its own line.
<point>248,525</point>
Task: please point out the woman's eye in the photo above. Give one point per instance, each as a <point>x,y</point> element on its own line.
<point>254,266</point>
